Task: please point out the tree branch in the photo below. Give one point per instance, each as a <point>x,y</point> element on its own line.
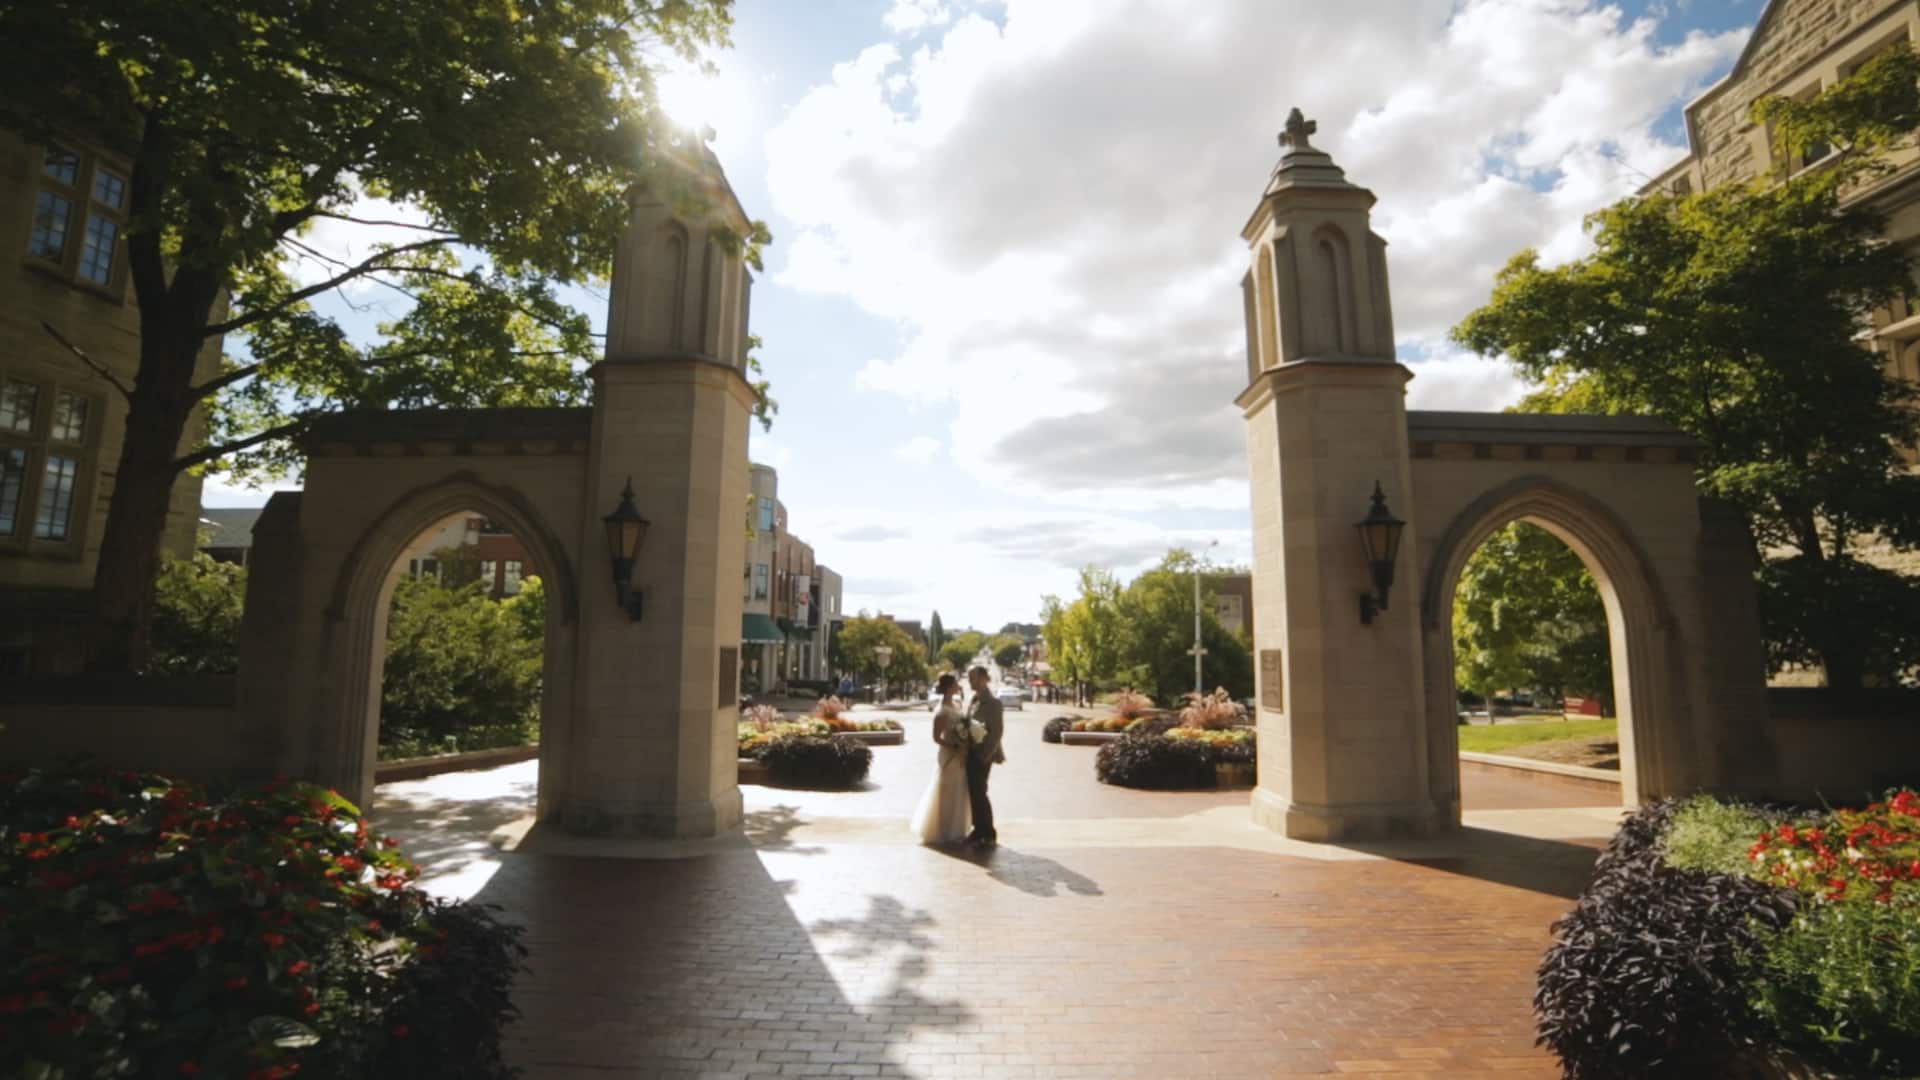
<point>435,229</point>
<point>371,264</point>
<point>213,386</point>
<point>98,368</point>
<point>215,453</point>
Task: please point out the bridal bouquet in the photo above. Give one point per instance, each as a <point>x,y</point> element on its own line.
<point>976,732</point>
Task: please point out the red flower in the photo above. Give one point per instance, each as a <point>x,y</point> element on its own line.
<point>297,967</point>
<point>40,853</point>
<point>273,939</point>
<point>238,982</point>
<point>291,820</point>
<point>312,1008</point>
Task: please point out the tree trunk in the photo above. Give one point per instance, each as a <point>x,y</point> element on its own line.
<point>158,411</point>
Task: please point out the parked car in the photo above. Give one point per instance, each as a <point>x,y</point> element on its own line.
<point>1012,697</point>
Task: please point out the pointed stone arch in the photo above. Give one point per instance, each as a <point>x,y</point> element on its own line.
<point>345,734</point>
<point>1643,635</point>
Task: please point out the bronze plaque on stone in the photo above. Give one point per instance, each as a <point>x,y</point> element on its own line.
<point>1272,685</point>
<point>729,676</point>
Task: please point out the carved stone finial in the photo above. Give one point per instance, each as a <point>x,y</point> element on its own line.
<point>1298,128</point>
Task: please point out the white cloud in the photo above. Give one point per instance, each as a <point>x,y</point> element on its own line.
<point>1048,205</point>
<point>918,450</point>
<point>909,16</point>
<point>988,570</point>
<point>336,244</point>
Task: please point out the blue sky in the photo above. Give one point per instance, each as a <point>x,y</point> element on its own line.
<point>1001,310</point>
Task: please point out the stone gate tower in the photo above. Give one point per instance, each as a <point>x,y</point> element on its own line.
<point>656,696</point>
<point>1341,735</point>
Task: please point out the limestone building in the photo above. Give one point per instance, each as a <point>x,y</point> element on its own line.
<point>63,208</point>
<point>1798,49</point>
<point>789,600</point>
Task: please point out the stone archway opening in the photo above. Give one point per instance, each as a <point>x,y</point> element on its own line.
<point>1537,674</point>
<point>462,654</point>
<point>424,558</point>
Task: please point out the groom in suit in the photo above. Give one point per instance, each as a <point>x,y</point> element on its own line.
<point>983,756</point>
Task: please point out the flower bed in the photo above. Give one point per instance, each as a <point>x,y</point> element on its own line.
<point>762,724</point>
<point>816,761</point>
<point>1177,759</point>
<point>1719,938</point>
<point>154,929</point>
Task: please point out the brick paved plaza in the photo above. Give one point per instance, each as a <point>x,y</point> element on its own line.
<point>1113,933</point>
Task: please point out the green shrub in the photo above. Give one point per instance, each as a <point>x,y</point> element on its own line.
<point>462,669</point>
<point>197,604</point>
<point>1155,762</point>
<point>816,761</point>
<point>1707,834</point>
<point>153,929</point>
<point>1645,976</point>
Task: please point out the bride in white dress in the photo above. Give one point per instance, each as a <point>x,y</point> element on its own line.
<point>944,815</point>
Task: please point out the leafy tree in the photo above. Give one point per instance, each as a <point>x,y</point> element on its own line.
<point>936,637</point>
<point>1084,637</point>
<point>462,668</point>
<point>514,128</point>
<point>1156,618</point>
<point>1735,315</point>
<point>862,636</point>
<point>1527,614</point>
<point>1008,649</point>
<point>959,651</point>
<point>196,623</point>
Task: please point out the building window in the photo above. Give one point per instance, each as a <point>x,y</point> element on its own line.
<point>760,581</point>
<point>13,482</point>
<point>45,434</point>
<point>510,586</point>
<point>489,574</point>
<point>79,193</point>
<point>766,514</point>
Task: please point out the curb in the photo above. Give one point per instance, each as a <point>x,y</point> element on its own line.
<point>1609,778</point>
<point>417,768</point>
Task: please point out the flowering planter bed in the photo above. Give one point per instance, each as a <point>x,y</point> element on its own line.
<point>1228,777</point>
<point>1089,738</point>
<point>876,738</point>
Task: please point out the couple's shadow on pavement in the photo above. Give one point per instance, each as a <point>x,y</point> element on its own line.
<point>1032,874</point>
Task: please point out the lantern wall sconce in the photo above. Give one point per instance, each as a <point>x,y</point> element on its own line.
<point>626,531</point>
<point>1380,538</point>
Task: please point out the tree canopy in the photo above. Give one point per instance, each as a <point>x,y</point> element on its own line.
<point>1736,314</point>
<point>513,130</point>
<point>1140,634</point>
<point>1527,615</point>
<point>961,648</point>
<point>1007,649</point>
<point>863,635</point>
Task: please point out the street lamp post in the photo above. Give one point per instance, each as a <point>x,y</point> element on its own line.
<point>1199,651</point>
<point>885,654</point>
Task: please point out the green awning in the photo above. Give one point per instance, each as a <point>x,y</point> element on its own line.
<point>758,629</point>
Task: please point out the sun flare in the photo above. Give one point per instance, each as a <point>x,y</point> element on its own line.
<point>693,99</point>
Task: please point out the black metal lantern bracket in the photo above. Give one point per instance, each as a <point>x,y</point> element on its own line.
<point>626,531</point>
<point>1380,539</point>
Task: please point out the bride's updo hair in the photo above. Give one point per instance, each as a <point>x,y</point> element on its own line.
<point>948,684</point>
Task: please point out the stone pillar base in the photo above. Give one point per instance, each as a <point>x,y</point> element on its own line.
<point>668,821</point>
<point>1336,824</point>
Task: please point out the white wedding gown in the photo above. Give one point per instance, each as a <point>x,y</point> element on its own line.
<point>944,815</point>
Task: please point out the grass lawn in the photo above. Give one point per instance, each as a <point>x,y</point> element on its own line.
<point>1497,737</point>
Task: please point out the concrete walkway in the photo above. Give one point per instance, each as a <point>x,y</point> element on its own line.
<point>1113,933</point>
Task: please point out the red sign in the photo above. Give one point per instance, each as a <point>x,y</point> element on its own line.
<point>1582,706</point>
